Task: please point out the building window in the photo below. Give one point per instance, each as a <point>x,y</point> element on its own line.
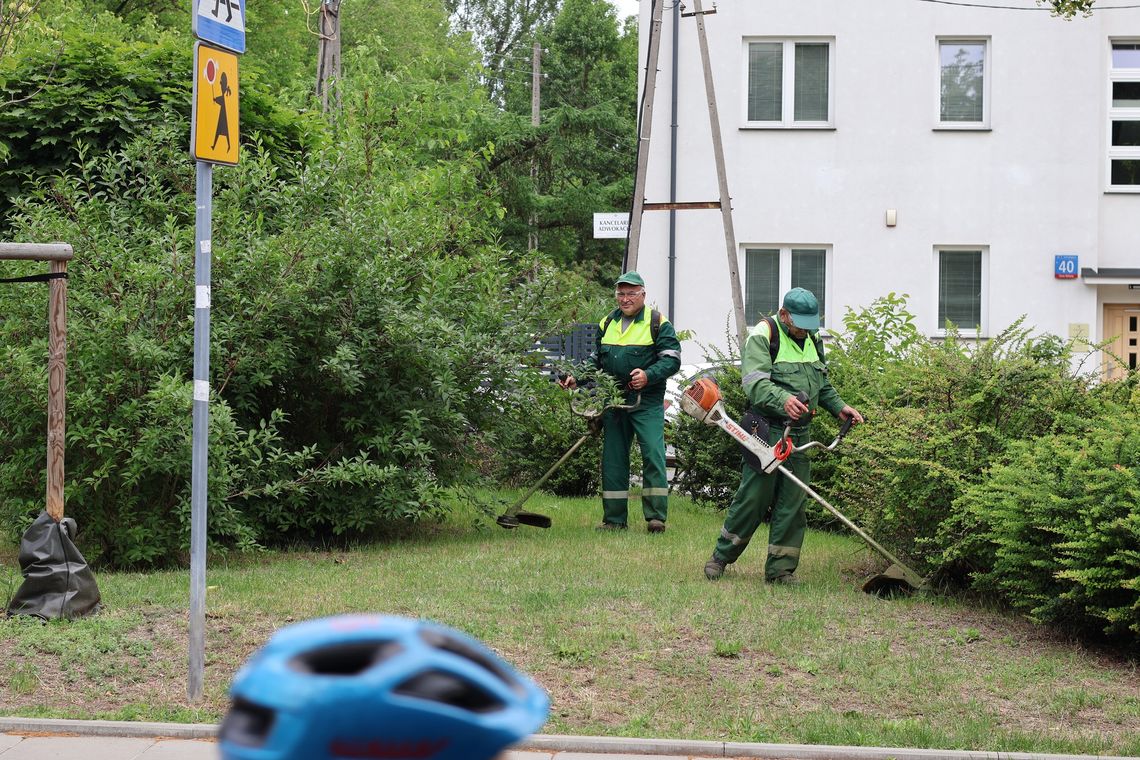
<point>963,91</point>
<point>961,290</point>
<point>771,272</point>
<point>788,83</point>
<point>1124,117</point>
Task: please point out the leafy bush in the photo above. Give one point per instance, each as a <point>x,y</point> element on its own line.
<point>708,460</point>
<point>939,416</point>
<point>1054,528</point>
<point>91,93</point>
<point>360,303</point>
<point>528,451</point>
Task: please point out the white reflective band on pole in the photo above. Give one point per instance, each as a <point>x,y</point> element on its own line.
<point>202,297</point>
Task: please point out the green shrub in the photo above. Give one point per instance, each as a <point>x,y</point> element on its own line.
<point>1054,528</point>
<point>939,414</point>
<point>92,92</point>
<point>708,459</point>
<point>360,304</point>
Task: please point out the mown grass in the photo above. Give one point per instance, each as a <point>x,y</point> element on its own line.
<point>624,632</point>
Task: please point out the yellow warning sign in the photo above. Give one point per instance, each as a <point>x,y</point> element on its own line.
<point>214,124</point>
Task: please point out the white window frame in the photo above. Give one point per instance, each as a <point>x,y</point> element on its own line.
<point>1119,114</point>
<point>786,273</point>
<point>788,86</point>
<point>982,329</point>
<point>987,55</point>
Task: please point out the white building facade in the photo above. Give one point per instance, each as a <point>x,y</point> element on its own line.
<point>983,161</point>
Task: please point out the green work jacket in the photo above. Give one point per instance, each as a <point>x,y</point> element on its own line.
<point>768,383</point>
<point>618,353</point>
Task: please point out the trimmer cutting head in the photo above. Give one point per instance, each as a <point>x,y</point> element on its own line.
<point>532,519</point>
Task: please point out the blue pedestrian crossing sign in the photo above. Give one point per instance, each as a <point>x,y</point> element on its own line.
<point>221,23</point>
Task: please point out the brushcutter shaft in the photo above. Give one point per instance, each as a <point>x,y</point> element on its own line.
<point>912,577</point>
<point>522,500</point>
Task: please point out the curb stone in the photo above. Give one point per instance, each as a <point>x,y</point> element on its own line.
<point>604,745</point>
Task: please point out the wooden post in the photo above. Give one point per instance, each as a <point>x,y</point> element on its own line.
<point>57,388</point>
<point>722,181</point>
<point>644,131</point>
<point>58,254</point>
<point>328,54</point>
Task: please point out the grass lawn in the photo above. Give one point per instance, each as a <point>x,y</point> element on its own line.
<point>624,632</point>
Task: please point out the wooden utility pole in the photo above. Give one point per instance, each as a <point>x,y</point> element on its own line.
<point>535,120</point>
<point>644,130</point>
<point>328,54</point>
<point>725,202</point>
<point>722,180</point>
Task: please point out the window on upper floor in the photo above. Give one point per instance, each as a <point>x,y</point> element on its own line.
<point>1124,117</point>
<point>788,82</point>
<point>769,272</point>
<point>961,289</point>
<point>963,88</point>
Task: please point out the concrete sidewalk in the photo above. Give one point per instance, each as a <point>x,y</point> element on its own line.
<point>38,739</point>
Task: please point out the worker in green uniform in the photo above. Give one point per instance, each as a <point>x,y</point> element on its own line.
<point>775,367</point>
<point>638,347</point>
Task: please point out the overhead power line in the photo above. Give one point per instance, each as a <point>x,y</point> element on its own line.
<point>1022,7</point>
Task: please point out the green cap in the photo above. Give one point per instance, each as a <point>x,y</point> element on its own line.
<point>630,278</point>
<point>803,308</point>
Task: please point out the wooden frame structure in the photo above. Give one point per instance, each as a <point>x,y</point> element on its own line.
<point>58,254</point>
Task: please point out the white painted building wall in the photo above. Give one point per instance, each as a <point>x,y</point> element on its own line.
<point>1028,188</point>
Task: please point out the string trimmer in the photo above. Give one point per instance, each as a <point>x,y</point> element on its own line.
<point>513,517</point>
<point>702,401</point>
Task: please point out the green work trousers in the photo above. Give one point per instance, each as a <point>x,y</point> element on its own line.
<point>755,495</point>
<point>647,422</point>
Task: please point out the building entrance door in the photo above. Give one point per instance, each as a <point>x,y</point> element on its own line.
<point>1120,324</point>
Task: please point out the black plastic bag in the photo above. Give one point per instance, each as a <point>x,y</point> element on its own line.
<point>57,581</point>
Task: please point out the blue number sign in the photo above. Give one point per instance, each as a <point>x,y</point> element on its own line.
<point>1065,266</point>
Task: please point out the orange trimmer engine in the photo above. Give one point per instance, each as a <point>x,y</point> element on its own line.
<point>700,398</point>
<point>702,401</point>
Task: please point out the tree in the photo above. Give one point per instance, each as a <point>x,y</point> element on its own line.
<point>14,16</point>
<point>585,144</point>
<point>1069,8</point>
<point>501,30</point>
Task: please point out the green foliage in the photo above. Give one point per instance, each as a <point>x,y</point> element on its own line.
<point>91,92</point>
<point>939,416</point>
<point>993,463</point>
<point>530,450</point>
<point>583,151</point>
<point>360,304</point>
<point>1067,9</point>
<point>1055,527</point>
<point>708,461</point>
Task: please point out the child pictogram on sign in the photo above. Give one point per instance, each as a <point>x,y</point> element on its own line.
<point>223,129</point>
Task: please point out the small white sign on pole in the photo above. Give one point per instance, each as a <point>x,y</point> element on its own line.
<point>611,225</point>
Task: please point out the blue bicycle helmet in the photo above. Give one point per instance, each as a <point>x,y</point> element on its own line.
<point>376,686</point>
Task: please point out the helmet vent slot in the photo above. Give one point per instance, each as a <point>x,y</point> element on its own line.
<point>449,689</point>
<point>247,724</point>
<point>462,649</point>
<point>348,659</point>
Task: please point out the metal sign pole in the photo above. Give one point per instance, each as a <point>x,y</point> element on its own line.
<point>202,257</point>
